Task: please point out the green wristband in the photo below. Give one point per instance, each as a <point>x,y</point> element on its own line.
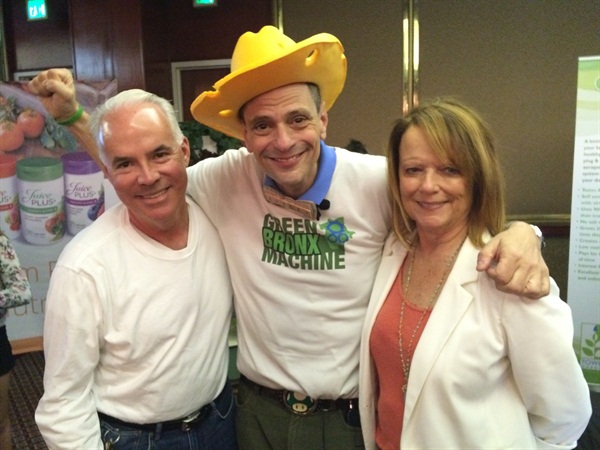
<point>74,118</point>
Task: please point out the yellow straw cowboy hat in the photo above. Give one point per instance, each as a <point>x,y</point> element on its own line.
<point>267,60</point>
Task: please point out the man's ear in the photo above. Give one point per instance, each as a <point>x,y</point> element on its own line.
<point>244,134</point>
<point>324,118</point>
<point>185,149</point>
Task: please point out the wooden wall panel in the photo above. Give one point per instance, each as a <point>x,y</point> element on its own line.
<point>127,44</point>
<point>107,41</point>
<point>211,33</point>
<point>155,36</point>
<point>134,41</point>
<point>33,45</point>
<point>90,28</point>
<point>175,31</point>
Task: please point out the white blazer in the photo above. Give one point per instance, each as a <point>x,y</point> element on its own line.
<point>491,370</point>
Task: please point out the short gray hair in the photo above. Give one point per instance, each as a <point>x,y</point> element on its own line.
<point>133,97</point>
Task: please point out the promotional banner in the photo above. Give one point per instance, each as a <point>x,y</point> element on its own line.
<point>50,189</point>
<point>584,250</point>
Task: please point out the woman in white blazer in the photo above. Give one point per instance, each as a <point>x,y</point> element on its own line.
<point>447,360</point>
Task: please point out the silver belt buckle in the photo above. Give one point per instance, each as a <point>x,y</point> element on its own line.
<point>186,423</point>
<point>299,403</point>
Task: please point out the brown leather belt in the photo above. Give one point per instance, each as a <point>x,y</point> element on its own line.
<point>299,403</point>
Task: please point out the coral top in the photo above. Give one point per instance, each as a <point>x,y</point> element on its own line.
<point>385,351</point>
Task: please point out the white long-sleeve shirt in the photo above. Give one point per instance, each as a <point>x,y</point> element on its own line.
<point>132,329</point>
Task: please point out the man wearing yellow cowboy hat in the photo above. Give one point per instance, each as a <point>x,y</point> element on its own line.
<point>303,256</point>
<point>303,225</point>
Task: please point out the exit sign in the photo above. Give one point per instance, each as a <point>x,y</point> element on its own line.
<point>36,10</point>
<point>202,3</point>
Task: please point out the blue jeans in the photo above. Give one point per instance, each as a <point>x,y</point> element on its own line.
<point>215,431</point>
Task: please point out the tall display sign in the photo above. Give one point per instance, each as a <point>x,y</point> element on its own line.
<point>50,189</point>
<point>584,252</point>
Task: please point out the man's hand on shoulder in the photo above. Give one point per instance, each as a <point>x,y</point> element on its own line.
<point>513,259</point>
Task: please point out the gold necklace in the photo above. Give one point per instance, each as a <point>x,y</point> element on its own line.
<point>408,361</point>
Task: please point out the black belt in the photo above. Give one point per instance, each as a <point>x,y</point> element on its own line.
<point>184,424</point>
<point>299,403</point>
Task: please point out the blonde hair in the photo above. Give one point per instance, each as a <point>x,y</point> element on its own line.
<point>457,135</point>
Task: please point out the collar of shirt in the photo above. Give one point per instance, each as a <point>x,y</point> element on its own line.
<point>308,204</point>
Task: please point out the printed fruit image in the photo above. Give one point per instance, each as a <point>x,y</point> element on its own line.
<point>11,136</point>
<point>27,133</point>
<point>97,208</point>
<point>5,106</point>
<point>14,218</point>
<point>56,225</point>
<point>31,122</point>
